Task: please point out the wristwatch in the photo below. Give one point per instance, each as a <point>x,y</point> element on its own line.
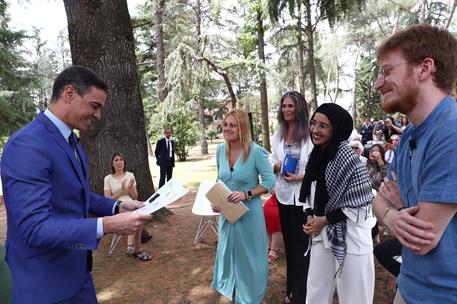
<point>250,194</point>
<point>116,207</point>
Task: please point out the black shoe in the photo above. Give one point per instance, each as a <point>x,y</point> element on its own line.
<point>145,236</point>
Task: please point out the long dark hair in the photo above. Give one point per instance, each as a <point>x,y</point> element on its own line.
<point>113,157</point>
<point>301,131</point>
<point>381,151</point>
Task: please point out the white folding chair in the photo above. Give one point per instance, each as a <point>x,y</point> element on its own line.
<point>114,240</point>
<point>202,207</point>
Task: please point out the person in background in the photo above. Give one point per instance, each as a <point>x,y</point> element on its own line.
<point>378,133</point>
<point>45,178</point>
<point>165,156</point>
<point>292,138</point>
<point>404,122</point>
<point>376,166</point>
<point>358,149</point>
<point>390,148</point>
<point>367,130</point>
<point>390,128</point>
<point>337,192</point>
<point>241,264</point>
<point>273,225</point>
<point>121,185</point>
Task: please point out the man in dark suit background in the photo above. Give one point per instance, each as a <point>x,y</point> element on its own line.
<point>165,155</point>
<point>47,197</point>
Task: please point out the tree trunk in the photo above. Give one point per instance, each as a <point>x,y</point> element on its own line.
<point>201,118</point>
<point>101,38</point>
<point>263,84</point>
<point>423,11</point>
<point>451,14</point>
<point>226,78</point>
<point>356,79</point>
<point>312,104</point>
<point>201,110</point>
<point>300,54</point>
<point>160,55</point>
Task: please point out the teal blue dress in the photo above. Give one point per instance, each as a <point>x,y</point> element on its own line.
<point>242,249</point>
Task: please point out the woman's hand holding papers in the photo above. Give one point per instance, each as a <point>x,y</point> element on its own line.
<point>236,196</point>
<point>215,209</point>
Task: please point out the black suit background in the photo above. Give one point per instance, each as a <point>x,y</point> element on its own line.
<point>164,161</point>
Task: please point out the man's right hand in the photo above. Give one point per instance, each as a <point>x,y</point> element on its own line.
<point>125,223</point>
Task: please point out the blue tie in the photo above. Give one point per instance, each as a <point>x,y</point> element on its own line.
<point>73,141</point>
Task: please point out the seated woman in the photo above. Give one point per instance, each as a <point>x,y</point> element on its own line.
<point>121,185</point>
<point>273,225</point>
<point>338,193</point>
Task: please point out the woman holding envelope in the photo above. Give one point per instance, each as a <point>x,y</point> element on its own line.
<point>291,144</point>
<point>241,265</point>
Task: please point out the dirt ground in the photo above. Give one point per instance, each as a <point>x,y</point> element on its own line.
<point>179,272</point>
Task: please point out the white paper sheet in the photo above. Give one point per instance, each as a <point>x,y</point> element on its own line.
<point>167,194</point>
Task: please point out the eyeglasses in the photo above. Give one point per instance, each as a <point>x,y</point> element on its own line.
<point>355,148</point>
<point>229,125</point>
<point>385,70</point>
<point>320,127</point>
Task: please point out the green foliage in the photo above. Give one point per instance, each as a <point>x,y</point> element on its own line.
<point>181,118</point>
<point>16,101</point>
<point>367,98</point>
<point>212,134</point>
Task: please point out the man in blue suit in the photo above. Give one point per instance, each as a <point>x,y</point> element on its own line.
<point>165,155</point>
<point>47,197</point>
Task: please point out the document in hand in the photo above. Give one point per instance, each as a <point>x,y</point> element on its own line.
<point>218,194</point>
<point>167,194</point>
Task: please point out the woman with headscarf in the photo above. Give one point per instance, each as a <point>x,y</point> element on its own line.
<point>337,191</point>
<point>292,140</point>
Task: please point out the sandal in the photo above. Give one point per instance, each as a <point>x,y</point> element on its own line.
<point>288,299</point>
<point>142,256</point>
<point>273,254</point>
<point>130,250</point>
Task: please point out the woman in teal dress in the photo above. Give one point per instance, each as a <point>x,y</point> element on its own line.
<point>241,265</point>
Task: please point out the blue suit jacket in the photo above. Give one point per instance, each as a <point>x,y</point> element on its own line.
<point>47,200</point>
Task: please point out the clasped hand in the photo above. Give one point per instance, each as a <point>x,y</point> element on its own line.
<point>412,232</point>
<point>126,187</point>
<point>314,225</point>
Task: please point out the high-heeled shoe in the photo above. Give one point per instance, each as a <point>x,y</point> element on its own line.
<point>273,254</point>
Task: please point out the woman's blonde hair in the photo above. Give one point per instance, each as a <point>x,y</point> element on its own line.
<point>244,131</point>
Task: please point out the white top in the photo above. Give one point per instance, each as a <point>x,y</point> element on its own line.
<point>389,156</point>
<point>114,184</point>
<point>169,145</point>
<point>287,193</point>
<point>358,227</point>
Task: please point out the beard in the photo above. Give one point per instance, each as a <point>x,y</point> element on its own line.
<point>405,100</point>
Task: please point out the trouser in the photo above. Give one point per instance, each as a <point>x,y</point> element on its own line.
<point>355,283</point>
<point>385,253</point>
<point>398,298</point>
<point>166,173</point>
<point>85,295</point>
<point>295,244</point>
